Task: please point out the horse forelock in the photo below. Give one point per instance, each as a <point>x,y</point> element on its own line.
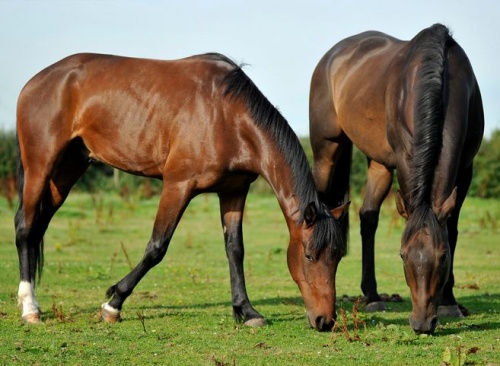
<point>421,218</point>
<point>429,48</point>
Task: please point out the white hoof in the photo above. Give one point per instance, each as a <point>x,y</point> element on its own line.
<point>110,314</point>
<point>32,318</point>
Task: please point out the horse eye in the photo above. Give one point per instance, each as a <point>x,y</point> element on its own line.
<point>309,258</point>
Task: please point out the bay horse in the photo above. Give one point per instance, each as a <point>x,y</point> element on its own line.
<point>413,106</point>
<point>200,125</point>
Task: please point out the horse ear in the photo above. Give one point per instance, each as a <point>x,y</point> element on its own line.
<point>311,214</point>
<point>339,212</point>
<point>400,204</point>
<point>444,212</point>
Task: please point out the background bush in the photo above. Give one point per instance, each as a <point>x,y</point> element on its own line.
<point>485,184</point>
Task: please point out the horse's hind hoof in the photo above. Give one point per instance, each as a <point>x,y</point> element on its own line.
<point>375,306</point>
<point>452,311</point>
<point>32,318</point>
<point>109,314</point>
<point>255,322</point>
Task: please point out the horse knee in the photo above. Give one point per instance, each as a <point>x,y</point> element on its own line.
<point>368,222</point>
<point>155,252</point>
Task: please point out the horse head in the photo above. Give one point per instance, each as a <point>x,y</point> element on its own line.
<point>314,253</point>
<point>425,252</point>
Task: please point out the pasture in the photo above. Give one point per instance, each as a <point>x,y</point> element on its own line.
<point>180,313</point>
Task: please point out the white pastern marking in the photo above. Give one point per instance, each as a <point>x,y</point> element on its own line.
<point>110,309</point>
<point>26,298</point>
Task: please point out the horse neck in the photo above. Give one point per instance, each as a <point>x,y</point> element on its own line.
<point>293,186</point>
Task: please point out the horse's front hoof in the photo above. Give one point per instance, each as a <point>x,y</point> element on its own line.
<point>109,314</point>
<point>375,306</point>
<point>255,322</point>
<point>32,318</point>
<point>452,311</point>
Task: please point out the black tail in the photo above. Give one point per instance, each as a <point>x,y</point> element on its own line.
<point>430,48</point>
<point>23,233</point>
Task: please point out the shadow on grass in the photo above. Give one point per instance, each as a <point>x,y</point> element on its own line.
<point>482,308</point>
<point>477,305</point>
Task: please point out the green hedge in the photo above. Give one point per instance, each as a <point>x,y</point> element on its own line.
<point>485,184</point>
<point>8,154</point>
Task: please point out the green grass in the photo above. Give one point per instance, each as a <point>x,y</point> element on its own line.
<point>180,313</point>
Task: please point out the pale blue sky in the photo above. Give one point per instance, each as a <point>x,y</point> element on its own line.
<point>282,41</point>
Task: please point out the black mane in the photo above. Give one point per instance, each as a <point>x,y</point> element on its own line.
<point>239,85</point>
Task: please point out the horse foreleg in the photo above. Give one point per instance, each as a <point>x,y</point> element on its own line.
<point>231,207</point>
<point>377,187</point>
<point>173,202</point>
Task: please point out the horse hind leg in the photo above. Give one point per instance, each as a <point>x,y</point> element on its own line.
<point>448,306</point>
<point>41,194</point>
<point>29,240</point>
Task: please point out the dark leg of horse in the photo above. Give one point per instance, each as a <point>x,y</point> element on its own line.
<point>231,207</point>
<point>29,236</point>
<point>448,305</point>
<point>377,187</point>
<point>41,199</point>
<point>174,199</point>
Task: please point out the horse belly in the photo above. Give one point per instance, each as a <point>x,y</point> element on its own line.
<point>368,132</point>
<point>128,146</point>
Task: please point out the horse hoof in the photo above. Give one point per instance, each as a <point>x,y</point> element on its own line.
<point>375,306</point>
<point>452,311</point>
<point>255,322</point>
<point>32,318</point>
<point>109,314</point>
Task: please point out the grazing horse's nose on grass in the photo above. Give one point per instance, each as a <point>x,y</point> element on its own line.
<point>323,324</point>
<point>425,326</point>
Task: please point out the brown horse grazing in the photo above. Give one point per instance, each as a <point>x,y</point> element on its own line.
<point>200,125</point>
<point>411,106</point>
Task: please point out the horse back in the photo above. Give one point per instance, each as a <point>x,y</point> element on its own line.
<point>130,113</point>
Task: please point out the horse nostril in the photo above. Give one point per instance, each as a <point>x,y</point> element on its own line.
<point>319,322</point>
<point>434,323</point>
<point>322,325</point>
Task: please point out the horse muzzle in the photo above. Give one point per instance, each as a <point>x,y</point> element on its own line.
<point>321,323</point>
<point>424,326</point>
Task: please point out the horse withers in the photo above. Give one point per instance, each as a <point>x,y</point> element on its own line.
<point>413,106</point>
<point>200,125</point>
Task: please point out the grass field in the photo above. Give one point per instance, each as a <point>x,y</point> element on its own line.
<point>180,313</point>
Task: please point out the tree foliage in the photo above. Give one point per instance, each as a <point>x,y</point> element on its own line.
<point>485,183</point>
<point>8,154</point>
<point>486,178</point>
